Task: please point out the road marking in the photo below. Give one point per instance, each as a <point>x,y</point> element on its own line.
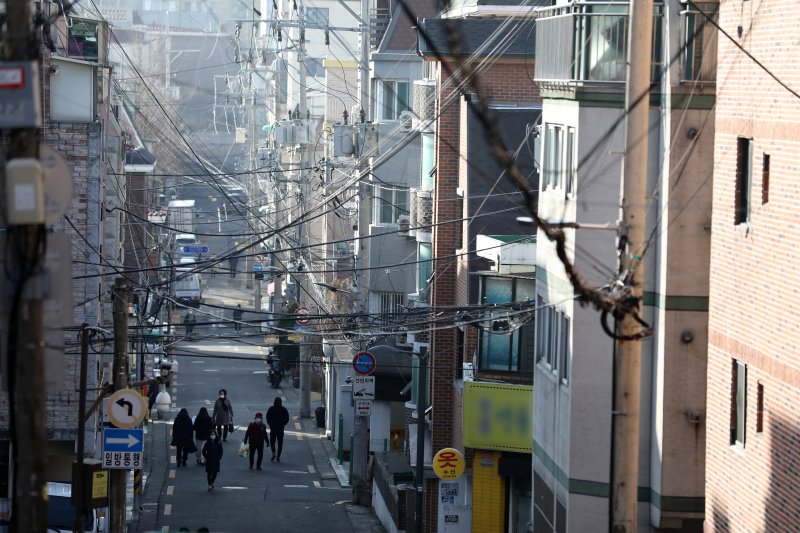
<point>235,488</point>
<point>170,490</point>
<point>172,459</point>
<point>295,472</point>
<point>298,426</point>
<point>260,371</point>
<point>197,362</point>
<point>210,370</point>
<point>172,474</point>
<point>317,484</point>
<point>296,486</point>
<point>311,469</point>
<point>165,528</point>
<point>168,509</point>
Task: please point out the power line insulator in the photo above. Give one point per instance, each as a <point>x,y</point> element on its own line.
<point>327,37</point>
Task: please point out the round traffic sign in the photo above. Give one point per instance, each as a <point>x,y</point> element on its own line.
<point>364,363</point>
<point>126,408</point>
<point>448,464</point>
<point>301,315</point>
<point>259,259</point>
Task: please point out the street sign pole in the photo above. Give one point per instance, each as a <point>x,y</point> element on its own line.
<point>119,478</point>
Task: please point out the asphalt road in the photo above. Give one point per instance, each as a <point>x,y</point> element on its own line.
<point>285,496</point>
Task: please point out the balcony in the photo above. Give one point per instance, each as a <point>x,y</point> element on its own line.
<point>378,21</point>
<point>585,43</point>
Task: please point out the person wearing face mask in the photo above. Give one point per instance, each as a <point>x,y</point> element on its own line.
<point>223,415</point>
<point>277,418</point>
<point>212,453</point>
<point>256,435</point>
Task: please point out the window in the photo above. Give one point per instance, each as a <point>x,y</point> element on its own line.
<point>760,408</point>
<point>744,159</point>
<point>317,15</point>
<point>506,343</point>
<point>83,39</point>
<point>387,304</point>
<point>391,202</point>
<point>739,403</point>
<point>392,98</point>
<point>765,180</point>
<point>699,39</point>
<point>424,269</point>
<point>559,159</point>
<point>570,164</point>
<point>553,331</point>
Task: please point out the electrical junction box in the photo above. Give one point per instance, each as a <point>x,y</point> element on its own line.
<point>24,192</point>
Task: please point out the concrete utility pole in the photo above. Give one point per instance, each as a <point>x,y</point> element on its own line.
<point>26,339</point>
<point>419,475</point>
<point>119,477</point>
<point>360,452</point>
<point>253,177</point>
<point>305,349</point>
<point>628,363</point>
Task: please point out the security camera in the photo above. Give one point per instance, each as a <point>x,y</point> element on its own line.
<point>53,69</point>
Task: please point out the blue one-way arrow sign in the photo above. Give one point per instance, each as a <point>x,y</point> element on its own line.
<point>123,440</point>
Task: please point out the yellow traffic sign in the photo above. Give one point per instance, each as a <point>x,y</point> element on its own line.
<point>126,408</point>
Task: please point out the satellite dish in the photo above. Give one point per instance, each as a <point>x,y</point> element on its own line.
<point>57,184</point>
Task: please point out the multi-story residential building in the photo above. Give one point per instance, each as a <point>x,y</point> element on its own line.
<point>751,421</point>
<point>580,70</point>
<point>79,129</point>
<point>481,373</point>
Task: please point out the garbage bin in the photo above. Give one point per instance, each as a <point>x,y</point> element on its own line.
<point>319,412</point>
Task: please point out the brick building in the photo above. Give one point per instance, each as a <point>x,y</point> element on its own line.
<point>483,361</point>
<point>753,365</point>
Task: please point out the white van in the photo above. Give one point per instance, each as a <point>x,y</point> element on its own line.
<point>186,288</point>
<point>61,513</point>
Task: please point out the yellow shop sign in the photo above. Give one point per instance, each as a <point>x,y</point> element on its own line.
<point>498,416</point>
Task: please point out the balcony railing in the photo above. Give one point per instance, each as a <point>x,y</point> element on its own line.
<point>587,42</point>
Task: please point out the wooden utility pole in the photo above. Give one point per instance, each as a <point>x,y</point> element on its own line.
<point>119,477</point>
<point>305,348</point>
<point>26,338</point>
<point>77,483</point>
<point>628,361</point>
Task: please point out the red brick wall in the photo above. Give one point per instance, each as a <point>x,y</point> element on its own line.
<point>753,314</point>
<point>501,83</point>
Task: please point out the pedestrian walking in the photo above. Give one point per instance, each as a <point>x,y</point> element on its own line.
<point>182,436</point>
<point>203,425</point>
<point>277,418</point>
<point>233,261</point>
<point>189,321</point>
<point>237,317</point>
<point>256,436</point>
<point>212,454</point>
<point>223,415</point>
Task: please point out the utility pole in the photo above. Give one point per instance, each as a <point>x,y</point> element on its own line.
<point>253,182</point>
<point>305,349</point>
<point>77,483</point>
<point>26,239</point>
<point>419,475</point>
<point>119,477</point>
<point>628,362</point>
<point>360,452</point>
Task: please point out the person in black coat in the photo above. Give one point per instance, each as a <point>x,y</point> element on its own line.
<point>256,436</point>
<point>237,317</point>
<point>202,430</point>
<point>212,453</point>
<point>277,418</point>
<point>182,436</point>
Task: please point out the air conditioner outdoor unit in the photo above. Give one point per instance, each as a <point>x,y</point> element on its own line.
<point>406,120</point>
<point>403,223</point>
